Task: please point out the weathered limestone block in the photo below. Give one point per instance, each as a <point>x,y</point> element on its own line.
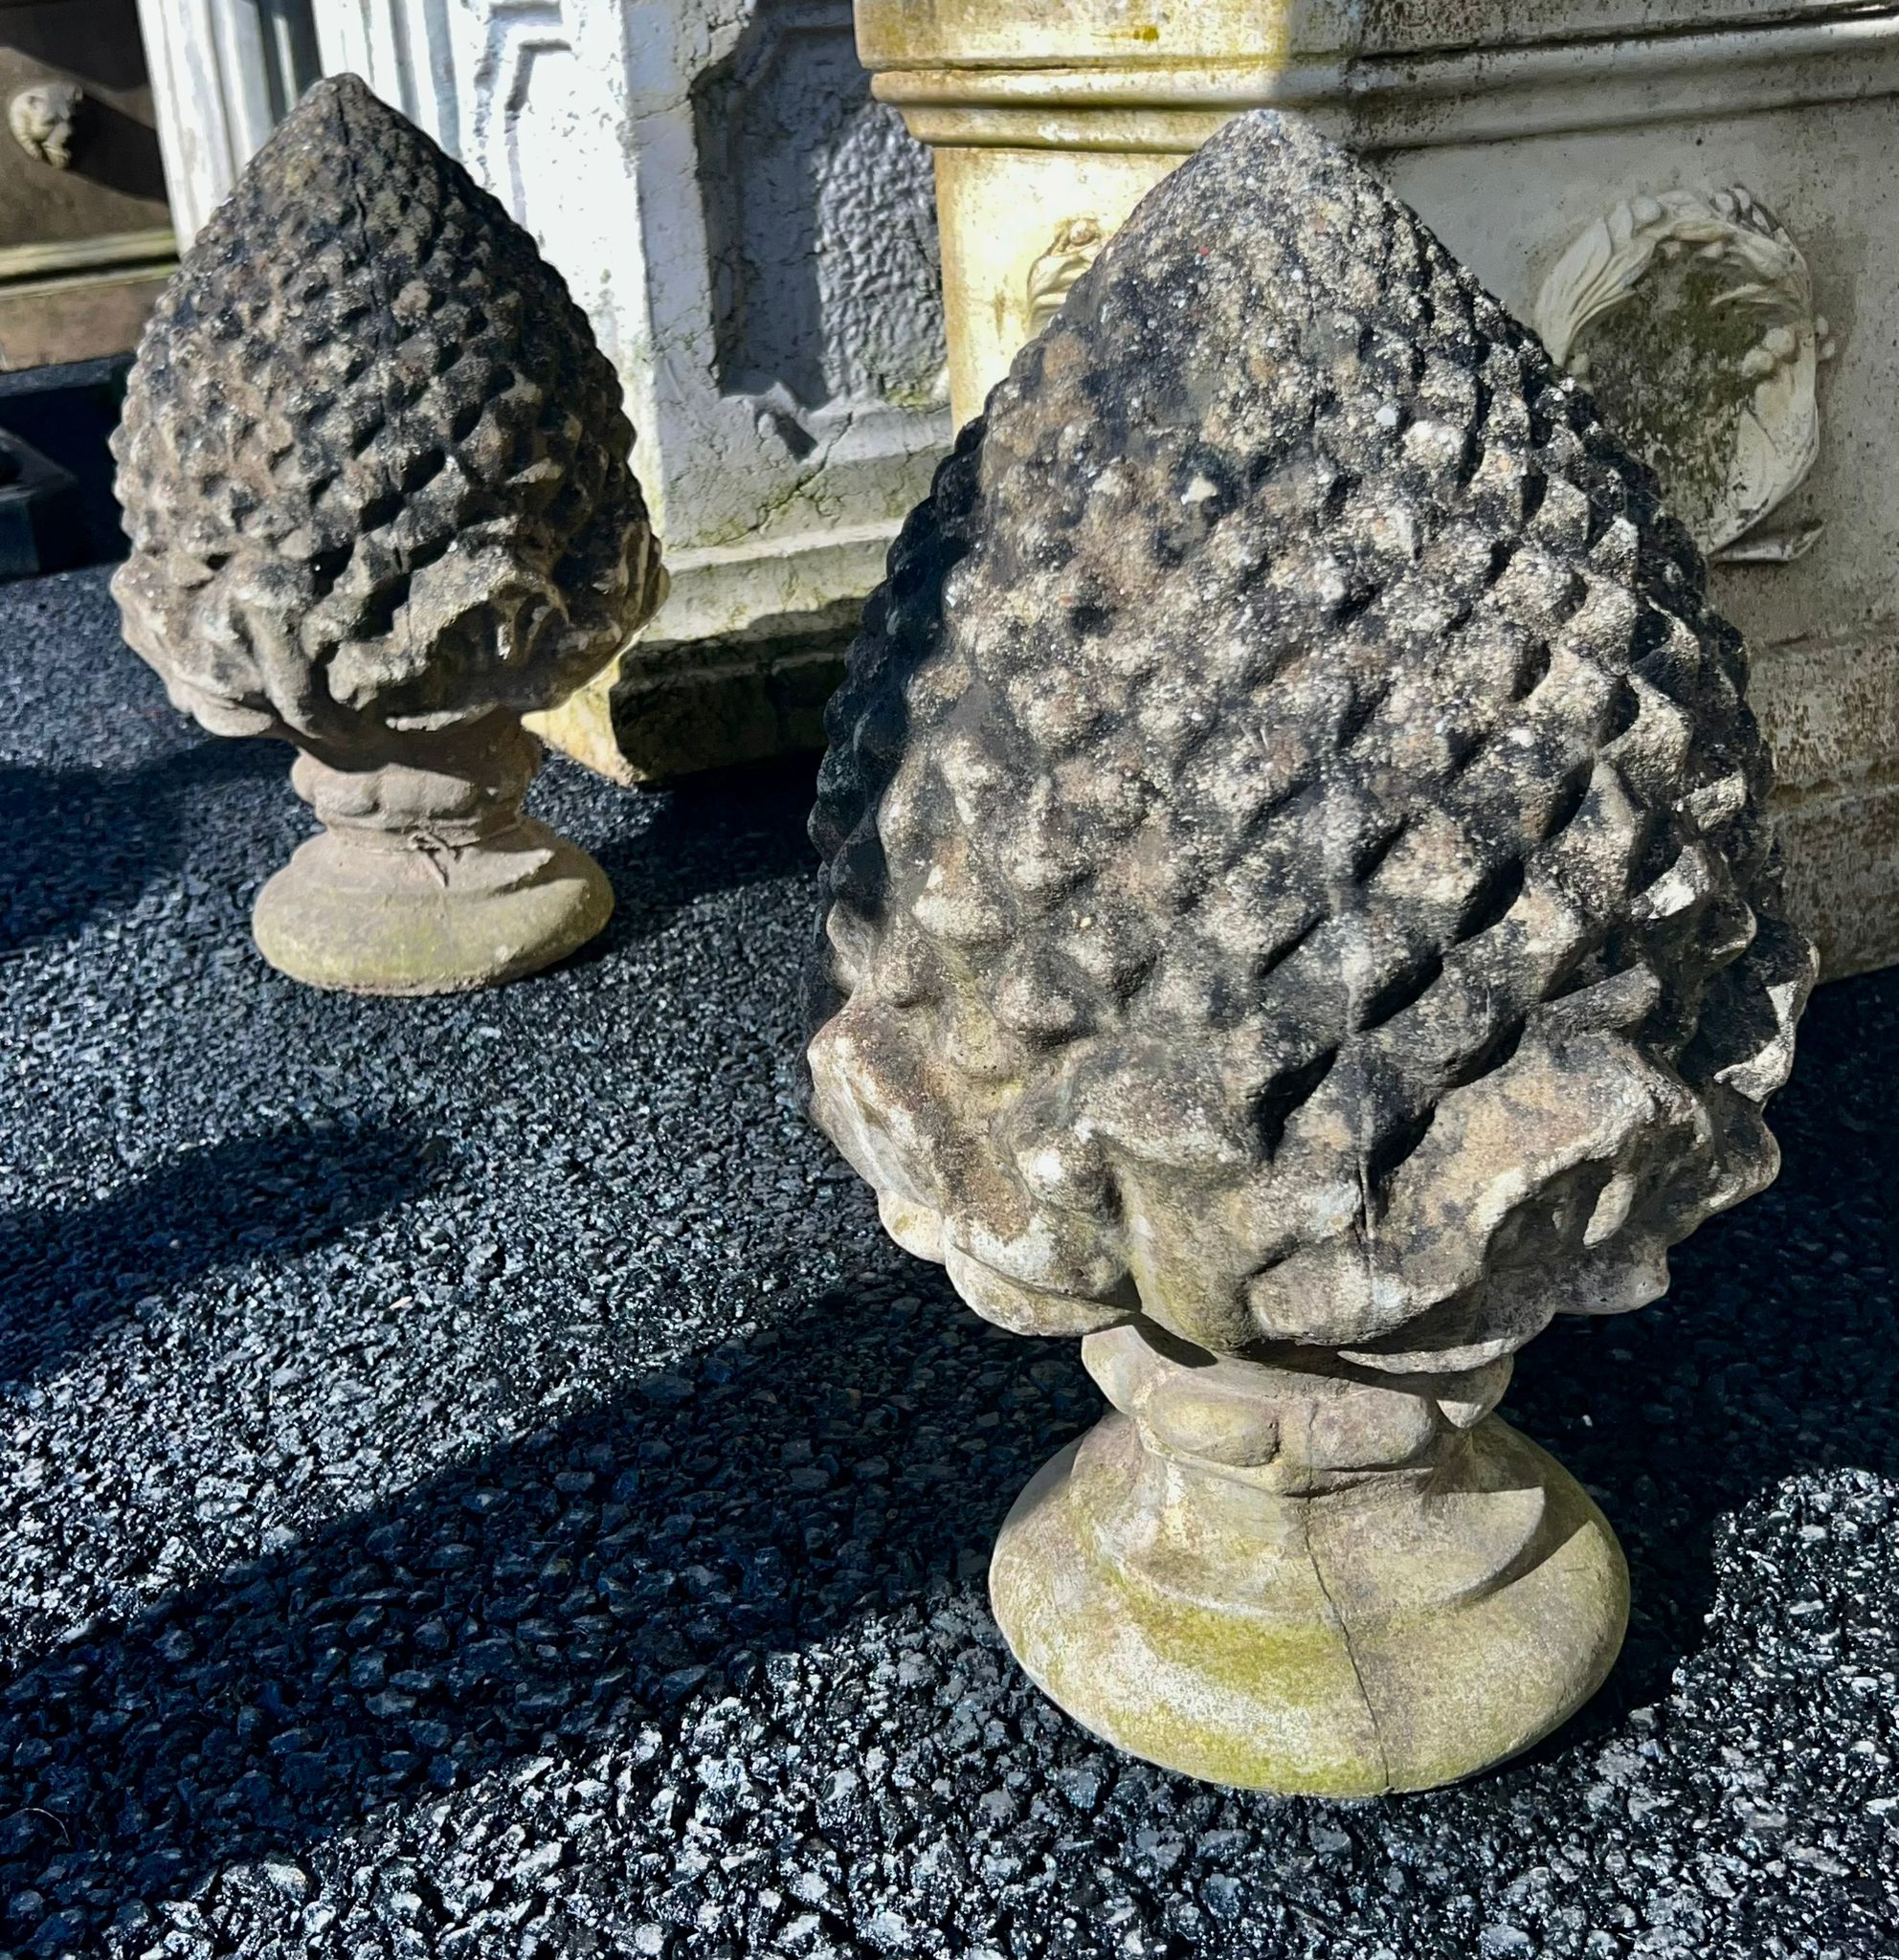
<point>375,475</point>
<point>1298,914</point>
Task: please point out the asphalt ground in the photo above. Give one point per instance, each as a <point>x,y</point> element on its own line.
<point>477,1481</point>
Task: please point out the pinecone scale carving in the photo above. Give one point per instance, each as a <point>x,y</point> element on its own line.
<point>1298,891</point>
<point>375,473</point>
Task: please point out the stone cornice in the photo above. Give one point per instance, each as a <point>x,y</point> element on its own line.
<point>1404,101</point>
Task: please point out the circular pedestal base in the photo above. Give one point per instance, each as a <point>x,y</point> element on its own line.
<point>1377,1638</point>
<point>369,920</point>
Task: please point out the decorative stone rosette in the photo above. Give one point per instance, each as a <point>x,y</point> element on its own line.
<point>375,473</point>
<point>1299,912</point>
<point>1074,247</point>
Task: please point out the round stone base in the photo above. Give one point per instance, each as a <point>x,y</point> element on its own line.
<point>367,919</point>
<point>1397,1634</point>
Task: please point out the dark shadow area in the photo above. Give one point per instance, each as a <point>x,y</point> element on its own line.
<point>81,841</point>
<point>42,523</point>
<point>68,413</point>
<point>714,833</point>
<point>1775,1350</point>
<point>99,43</point>
<point>70,1270</point>
<point>119,152</point>
<point>563,1589</point>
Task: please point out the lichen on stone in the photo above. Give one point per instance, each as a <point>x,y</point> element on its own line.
<point>373,467</point>
<point>1296,859</point>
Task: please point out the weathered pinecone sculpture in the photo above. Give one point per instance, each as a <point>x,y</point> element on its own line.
<point>375,473</point>
<point>1299,911</point>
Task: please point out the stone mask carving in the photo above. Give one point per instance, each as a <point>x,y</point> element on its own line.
<point>1298,914</point>
<point>375,473</point>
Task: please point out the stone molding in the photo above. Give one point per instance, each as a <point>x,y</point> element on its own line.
<point>1482,93</point>
<point>45,258</point>
<point>1134,35</point>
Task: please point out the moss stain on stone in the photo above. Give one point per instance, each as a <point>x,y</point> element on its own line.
<point>1665,369</point>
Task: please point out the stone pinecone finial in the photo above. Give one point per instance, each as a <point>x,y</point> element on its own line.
<point>1297,853</point>
<point>1299,911</point>
<point>373,467</point>
<point>375,473</point>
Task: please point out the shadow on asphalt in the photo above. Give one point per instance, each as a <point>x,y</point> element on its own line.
<point>714,833</point>
<point>1776,1349</point>
<point>83,841</point>
<point>592,1577</point>
<point>569,1588</point>
<point>69,1270</point>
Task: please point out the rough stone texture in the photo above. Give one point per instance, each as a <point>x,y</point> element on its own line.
<point>1293,825</point>
<point>321,1310</point>
<point>375,477</point>
<point>820,219</point>
<point>1296,870</point>
<point>1517,157</point>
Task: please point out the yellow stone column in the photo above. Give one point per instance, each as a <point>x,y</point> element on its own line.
<point>1049,124</point>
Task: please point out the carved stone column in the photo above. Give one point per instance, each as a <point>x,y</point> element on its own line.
<point>1690,198</point>
<point>755,242</point>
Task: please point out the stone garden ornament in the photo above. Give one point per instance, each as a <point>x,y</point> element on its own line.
<point>374,470</point>
<point>1298,915</point>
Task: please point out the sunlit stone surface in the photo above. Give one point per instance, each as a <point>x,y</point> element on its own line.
<point>1299,913</point>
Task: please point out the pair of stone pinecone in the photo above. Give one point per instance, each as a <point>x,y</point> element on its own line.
<point>1297,887</point>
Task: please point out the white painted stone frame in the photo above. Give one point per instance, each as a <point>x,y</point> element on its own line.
<point>578,115</point>
<point>223,71</point>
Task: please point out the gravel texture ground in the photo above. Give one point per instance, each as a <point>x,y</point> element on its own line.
<point>478,1482</point>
